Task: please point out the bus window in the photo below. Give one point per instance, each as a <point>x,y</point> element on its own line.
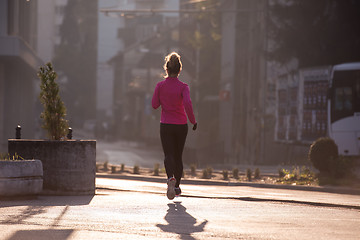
<point>345,94</point>
<point>343,99</point>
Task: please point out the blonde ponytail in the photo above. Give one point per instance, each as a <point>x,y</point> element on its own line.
<point>172,64</point>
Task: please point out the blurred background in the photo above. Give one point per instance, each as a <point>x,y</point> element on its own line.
<point>253,67</point>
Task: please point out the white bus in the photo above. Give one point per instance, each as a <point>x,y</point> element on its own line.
<point>344,108</point>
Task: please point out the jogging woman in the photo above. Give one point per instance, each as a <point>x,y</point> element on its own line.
<point>174,98</point>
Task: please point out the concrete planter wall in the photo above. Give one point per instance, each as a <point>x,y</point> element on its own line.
<point>69,166</point>
<point>17,178</point>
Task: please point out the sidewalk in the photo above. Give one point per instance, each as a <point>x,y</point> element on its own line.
<point>318,196</point>
<point>266,171</point>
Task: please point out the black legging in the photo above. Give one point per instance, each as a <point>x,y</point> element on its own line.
<point>173,138</point>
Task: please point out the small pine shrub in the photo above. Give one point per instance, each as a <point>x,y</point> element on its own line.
<point>257,173</point>
<point>156,169</point>
<point>136,169</point>
<point>122,167</point>
<point>248,174</point>
<point>207,173</point>
<point>225,174</point>
<point>193,169</point>
<point>54,113</point>
<point>235,173</point>
<point>106,166</point>
<point>204,174</point>
<point>210,171</point>
<point>113,169</point>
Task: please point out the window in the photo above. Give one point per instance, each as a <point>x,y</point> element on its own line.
<point>343,99</point>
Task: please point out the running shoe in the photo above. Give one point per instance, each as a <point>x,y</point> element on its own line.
<point>171,188</point>
<point>177,191</point>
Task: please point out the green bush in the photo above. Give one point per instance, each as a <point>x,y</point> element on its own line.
<point>296,173</point>
<point>207,173</point>
<point>324,156</point>
<point>302,176</point>
<point>257,173</point>
<point>113,169</point>
<point>210,171</point>
<point>193,169</point>
<point>235,173</point>
<point>8,157</point>
<point>248,174</point>
<point>344,167</point>
<point>122,167</point>
<point>225,174</point>
<point>136,169</point>
<point>106,166</point>
<point>156,169</point>
<point>282,172</point>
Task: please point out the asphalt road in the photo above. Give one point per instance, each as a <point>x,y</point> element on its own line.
<point>131,209</point>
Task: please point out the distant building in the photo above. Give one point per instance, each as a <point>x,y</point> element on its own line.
<point>301,105</point>
<point>109,46</point>
<point>243,78</point>
<point>19,63</point>
<point>131,49</point>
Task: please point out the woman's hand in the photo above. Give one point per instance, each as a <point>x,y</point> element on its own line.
<point>195,126</point>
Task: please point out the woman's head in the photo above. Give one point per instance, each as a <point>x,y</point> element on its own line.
<point>172,64</point>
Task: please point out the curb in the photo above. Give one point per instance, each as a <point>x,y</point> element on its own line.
<point>326,189</point>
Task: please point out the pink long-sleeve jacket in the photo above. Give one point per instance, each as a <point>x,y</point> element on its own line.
<point>174,98</point>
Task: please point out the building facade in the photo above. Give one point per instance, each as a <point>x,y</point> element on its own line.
<point>243,80</point>
<point>133,64</point>
<point>18,66</point>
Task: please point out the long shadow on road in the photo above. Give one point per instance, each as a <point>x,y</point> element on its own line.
<point>36,206</point>
<point>181,222</point>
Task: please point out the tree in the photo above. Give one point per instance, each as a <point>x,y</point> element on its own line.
<point>321,32</point>
<point>54,109</point>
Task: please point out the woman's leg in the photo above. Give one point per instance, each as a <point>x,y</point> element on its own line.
<point>181,133</point>
<point>167,142</point>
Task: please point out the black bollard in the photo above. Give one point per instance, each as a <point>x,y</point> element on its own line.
<point>18,132</point>
<point>69,135</point>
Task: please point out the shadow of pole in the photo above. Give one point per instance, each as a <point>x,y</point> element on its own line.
<point>181,222</point>
<point>44,234</point>
<point>56,234</point>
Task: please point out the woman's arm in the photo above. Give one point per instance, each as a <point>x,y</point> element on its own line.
<point>155,102</point>
<point>188,104</point>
